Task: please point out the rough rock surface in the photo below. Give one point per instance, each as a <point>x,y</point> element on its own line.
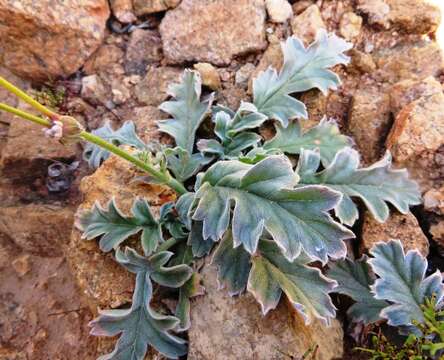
<point>398,226</point>
<point>209,75</point>
<point>350,25</point>
<point>306,25</point>
<point>123,10</point>
<point>279,11</point>
<point>98,275</point>
<point>46,39</point>
<point>144,48</point>
<point>227,327</point>
<point>145,7</point>
<point>209,31</point>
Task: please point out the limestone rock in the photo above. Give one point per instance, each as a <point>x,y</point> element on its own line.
<point>225,327</point>
<point>398,226</point>
<point>145,119</point>
<point>22,265</point>
<point>434,201</point>
<point>279,10</point>
<point>243,75</point>
<point>361,62</point>
<point>42,230</point>
<point>273,57</point>
<point>377,11</point>
<point>93,90</point>
<point>152,90</point>
<point>145,7</point>
<point>350,25</point>
<point>144,48</point>
<point>61,34</point>
<point>369,121</point>
<point>437,231</point>
<point>305,26</point>
<point>105,283</point>
<point>209,31</point>
<point>209,75</point>
<point>103,59</point>
<point>123,10</point>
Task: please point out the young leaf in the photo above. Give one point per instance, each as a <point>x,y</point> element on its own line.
<point>325,137</point>
<point>402,282</point>
<point>306,287</point>
<point>233,265</point>
<point>184,164</point>
<point>375,185</point>
<point>265,199</point>
<point>140,325</point>
<point>303,69</point>
<point>126,135</point>
<point>354,280</point>
<point>116,227</point>
<point>190,289</point>
<point>187,110</point>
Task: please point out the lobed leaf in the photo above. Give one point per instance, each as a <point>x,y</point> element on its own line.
<point>324,137</point>
<point>305,287</point>
<point>190,289</point>
<point>187,110</point>
<point>141,326</point>
<point>264,198</point>
<point>115,227</point>
<point>403,282</point>
<point>303,69</point>
<point>355,279</point>
<point>375,185</point>
<point>126,135</point>
<point>184,164</point>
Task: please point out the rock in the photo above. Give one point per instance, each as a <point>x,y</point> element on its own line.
<point>103,59</point>
<point>305,26</point>
<point>21,265</point>
<point>209,75</point>
<point>279,11</point>
<point>408,61</point>
<point>27,153</point>
<point>62,35</point>
<point>225,327</point>
<point>209,31</point>
<point>377,11</point>
<point>398,226</point>
<point>416,140</point>
<point>350,25</point>
<point>145,7</point>
<point>361,62</point>
<point>434,201</point>
<point>94,91</point>
<point>369,121</point>
<point>243,75</point>
<point>144,48</point>
<point>100,278</point>
<point>273,57</point>
<point>145,119</point>
<point>301,5</point>
<point>123,10</point>
<point>406,91</point>
<point>152,90</point>
<point>437,231</point>
<point>42,230</point>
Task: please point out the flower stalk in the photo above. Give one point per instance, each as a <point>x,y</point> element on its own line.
<point>68,122</point>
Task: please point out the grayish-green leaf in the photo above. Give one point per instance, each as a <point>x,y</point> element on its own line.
<point>199,246</point>
<point>305,287</point>
<point>375,185</point>
<point>354,279</point>
<point>190,289</point>
<point>140,325</point>
<point>265,198</point>
<point>230,148</point>
<point>403,282</point>
<point>187,110</point>
<point>233,265</point>
<point>126,135</point>
<point>116,227</point>
<point>184,206</point>
<point>325,137</point>
<point>303,69</point>
<point>183,164</point>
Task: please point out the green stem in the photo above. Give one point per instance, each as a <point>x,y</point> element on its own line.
<point>163,177</point>
<point>28,99</point>
<point>168,244</point>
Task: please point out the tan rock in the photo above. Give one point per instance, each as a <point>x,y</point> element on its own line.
<point>209,31</point>
<point>305,26</point>
<point>406,91</point>
<point>145,118</point>
<point>398,226</point>
<point>225,327</point>
<point>145,7</point>
<point>22,265</point>
<point>144,48</point>
<point>103,59</point>
<point>61,34</point>
<point>152,90</point>
<point>350,25</point>
<point>377,11</point>
<point>243,75</point>
<point>42,230</point>
<point>361,61</point>
<point>437,231</point>
<point>123,10</point>
<point>279,11</point>
<point>434,201</point>
<point>94,91</point>
<point>369,121</point>
<point>209,75</point>
<point>99,277</point>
